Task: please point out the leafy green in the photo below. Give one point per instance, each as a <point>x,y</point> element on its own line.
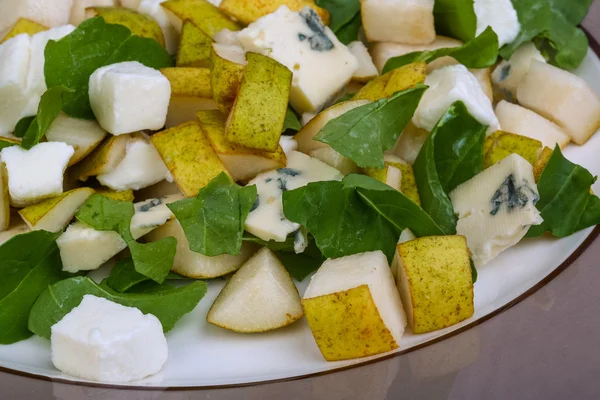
<point>22,126</point>
<point>364,133</point>
<point>5,143</point>
<point>474,273</point>
<point>50,106</point>
<point>214,221</point>
<point>350,32</point>
<point>452,154</point>
<point>480,52</point>
<point>58,300</point>
<point>124,278</point>
<point>344,19</point>
<point>566,204</point>
<point>455,18</point>
<point>94,44</point>
<point>153,260</point>
<point>343,98</point>
<point>291,121</point>
<point>534,17</point>
<point>30,262</point>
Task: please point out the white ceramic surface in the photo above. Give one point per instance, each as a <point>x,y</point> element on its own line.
<point>205,355</point>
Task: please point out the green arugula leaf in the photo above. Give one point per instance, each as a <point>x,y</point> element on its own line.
<point>341,12</point>
<point>94,44</point>
<point>455,18</point>
<point>452,154</point>
<point>350,32</point>
<point>58,300</point>
<point>124,278</point>
<point>364,133</point>
<point>214,221</point>
<point>153,260</point>
<point>22,126</point>
<point>5,143</point>
<point>474,273</point>
<point>291,121</point>
<point>534,17</point>
<point>480,52</point>
<point>30,262</point>
<point>566,203</point>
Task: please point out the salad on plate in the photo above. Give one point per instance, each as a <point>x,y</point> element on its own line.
<point>385,150</point>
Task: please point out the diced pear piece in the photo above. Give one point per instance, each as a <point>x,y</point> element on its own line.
<point>408,186</point>
<point>409,143</point>
<point>104,159</point>
<point>227,69</point>
<point>195,265</point>
<point>500,145</point>
<point>123,195</point>
<point>483,76</point>
<point>508,74</point>
<point>24,25</point>
<point>334,159</point>
<point>541,162</point>
<point>83,135</point>
<point>205,15</point>
<point>54,214</point>
<point>139,24</point>
<point>194,47</point>
<point>259,297</point>
<point>394,81</point>
<point>563,98</point>
<point>242,163</point>
<point>4,200</point>
<point>83,9</point>
<point>305,137</point>
<point>131,4</point>
<point>16,227</point>
<point>183,109</point>
<point>258,113</point>
<point>366,68</point>
<point>193,82</point>
<point>516,119</point>
<point>434,281</point>
<point>405,236</point>
<point>249,11</point>
<point>189,156</point>
<point>389,175</point>
<point>353,308</point>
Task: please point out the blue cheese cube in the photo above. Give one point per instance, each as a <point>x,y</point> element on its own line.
<point>321,64</point>
<point>496,208</point>
<point>266,220</point>
<point>509,73</point>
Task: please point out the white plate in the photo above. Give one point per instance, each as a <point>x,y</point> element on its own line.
<point>204,355</point>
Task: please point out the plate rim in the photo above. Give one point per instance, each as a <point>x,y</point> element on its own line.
<point>591,238</point>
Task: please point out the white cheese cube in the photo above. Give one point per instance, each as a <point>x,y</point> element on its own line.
<point>501,16</point>
<point>225,36</point>
<point>36,81</point>
<point>35,174</point>
<point>366,68</point>
<point>404,21</point>
<point>141,167</point>
<point>562,97</point>
<point>448,85</point>
<point>104,341</point>
<point>131,4</point>
<point>154,10</point>
<point>79,6</point>
<point>15,55</point>
<point>509,73</point>
<point>129,97</point>
<point>50,13</point>
<point>496,207</point>
<point>516,119</point>
<point>266,220</point>
<point>320,63</point>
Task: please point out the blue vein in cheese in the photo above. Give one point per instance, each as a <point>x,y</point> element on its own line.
<point>513,196</point>
<point>319,40</point>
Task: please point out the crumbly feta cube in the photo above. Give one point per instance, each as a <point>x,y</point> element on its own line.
<point>404,21</point>
<point>501,16</point>
<point>266,220</point>
<point>448,85</point>
<point>366,68</point>
<point>321,64</point>
<point>15,55</point>
<point>50,13</point>
<point>154,10</point>
<point>35,174</point>
<point>141,167</point>
<point>563,98</point>
<point>36,81</point>
<point>129,97</point>
<point>104,341</point>
<point>509,73</point>
<point>496,207</point>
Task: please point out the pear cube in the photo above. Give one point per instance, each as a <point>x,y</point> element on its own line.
<point>366,69</point>
<point>194,47</point>
<point>334,159</point>
<point>23,25</point>
<point>249,11</point>
<point>227,69</point>
<point>201,12</point>
<point>138,23</point>
<point>154,10</point>
<point>500,145</point>
<point>4,200</point>
<point>394,81</point>
<point>104,159</point>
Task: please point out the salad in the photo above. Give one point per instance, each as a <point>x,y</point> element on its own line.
<point>385,149</point>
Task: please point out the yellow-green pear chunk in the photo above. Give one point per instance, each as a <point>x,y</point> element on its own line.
<point>389,175</point>
<point>4,200</point>
<point>24,25</point>
<point>84,135</point>
<point>195,265</point>
<point>161,189</point>
<point>226,72</point>
<point>123,195</point>
<point>261,296</point>
<point>409,143</point>
<point>206,16</point>
<point>194,47</point>
<point>189,156</point>
<point>54,214</point>
<point>192,82</point>
<point>394,81</point>
<point>249,11</point>
<point>16,227</point>
<point>183,109</point>
<point>334,159</point>
<point>242,163</point>
<point>541,162</point>
<point>104,159</point>
<point>258,113</point>
<point>500,145</point>
<point>353,308</point>
<point>408,186</point>
<point>139,24</point>
<point>434,281</point>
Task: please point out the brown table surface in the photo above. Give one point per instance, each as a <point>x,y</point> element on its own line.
<point>546,347</point>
